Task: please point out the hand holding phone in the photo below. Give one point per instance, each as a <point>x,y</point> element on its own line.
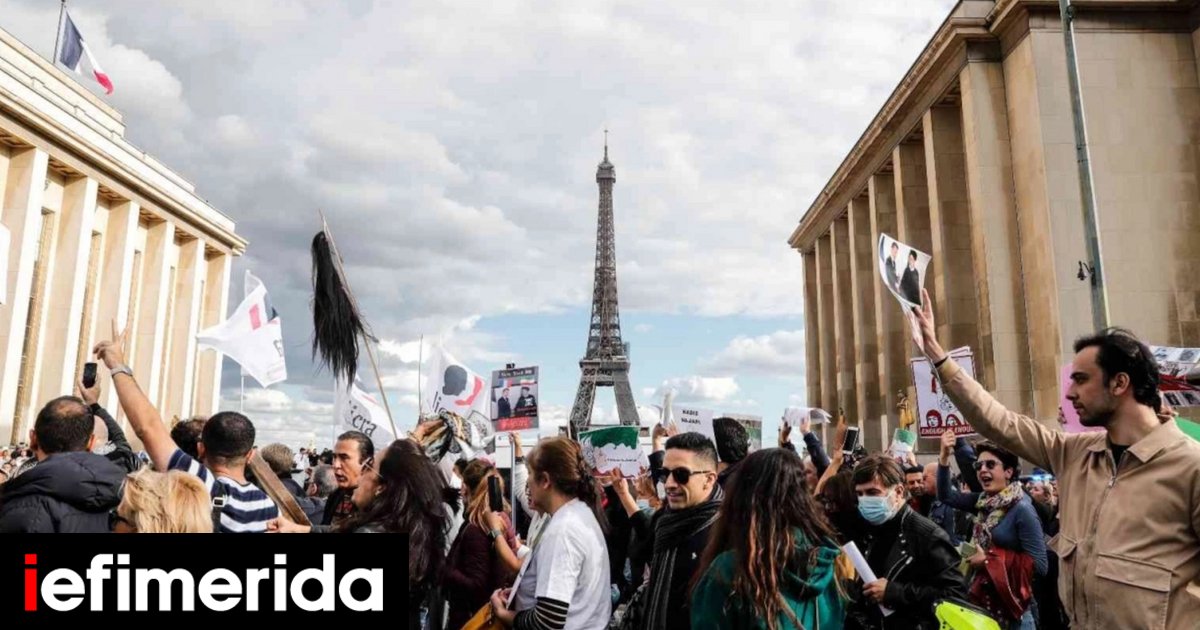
<point>851,440</point>
<point>89,375</point>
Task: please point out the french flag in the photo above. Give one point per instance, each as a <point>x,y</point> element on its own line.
<point>72,51</point>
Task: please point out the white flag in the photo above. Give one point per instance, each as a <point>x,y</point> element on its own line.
<point>252,336</point>
<point>357,410</point>
<point>449,385</point>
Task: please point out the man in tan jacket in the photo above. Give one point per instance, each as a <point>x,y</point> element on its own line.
<point>1129,498</point>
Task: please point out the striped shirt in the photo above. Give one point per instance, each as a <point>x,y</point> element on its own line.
<point>247,508</point>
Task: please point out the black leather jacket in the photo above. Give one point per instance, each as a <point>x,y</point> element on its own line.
<point>921,568</point>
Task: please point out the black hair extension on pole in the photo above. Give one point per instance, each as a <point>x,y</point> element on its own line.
<point>336,320</point>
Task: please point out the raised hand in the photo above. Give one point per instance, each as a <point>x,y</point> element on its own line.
<point>112,352</point>
<point>924,330</point>
<point>947,447</point>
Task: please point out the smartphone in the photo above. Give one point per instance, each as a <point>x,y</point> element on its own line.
<point>89,375</point>
<point>851,440</point>
<point>495,497</point>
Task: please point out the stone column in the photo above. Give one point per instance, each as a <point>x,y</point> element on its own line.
<point>216,301</point>
<point>189,280</point>
<point>23,193</point>
<point>116,280</point>
<point>65,289</point>
<point>864,280</point>
<point>1003,363</point>
<point>912,209</point>
<point>890,323</point>
<point>825,317</point>
<point>950,227</point>
<point>812,330</point>
<point>843,321</point>
<point>152,307</point>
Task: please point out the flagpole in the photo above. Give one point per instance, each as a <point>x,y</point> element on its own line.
<point>62,9</point>
<point>337,262</point>
<point>379,380</point>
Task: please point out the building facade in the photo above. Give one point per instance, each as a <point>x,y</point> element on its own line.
<point>972,159</point>
<point>99,233</point>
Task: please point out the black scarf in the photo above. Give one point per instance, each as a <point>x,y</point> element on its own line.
<point>674,529</point>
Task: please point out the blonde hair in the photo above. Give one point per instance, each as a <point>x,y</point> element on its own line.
<point>173,502</point>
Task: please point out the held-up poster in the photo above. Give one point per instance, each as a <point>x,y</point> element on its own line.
<point>935,411</point>
<point>902,269</point>
<point>1174,367</point>
<point>514,399</point>
<point>793,416</point>
<point>753,425</point>
<point>614,447</point>
<point>693,420</point>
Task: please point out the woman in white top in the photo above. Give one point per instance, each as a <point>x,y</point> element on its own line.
<point>564,585</point>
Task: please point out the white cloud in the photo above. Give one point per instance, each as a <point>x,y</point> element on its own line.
<point>699,389</point>
<point>779,354</point>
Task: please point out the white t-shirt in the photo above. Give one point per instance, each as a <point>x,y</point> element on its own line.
<point>570,564</point>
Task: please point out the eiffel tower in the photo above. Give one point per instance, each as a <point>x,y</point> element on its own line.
<point>606,362</point>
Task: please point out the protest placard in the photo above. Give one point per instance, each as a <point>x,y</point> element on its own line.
<point>691,419</point>
<point>753,425</point>
<point>614,447</point>
<point>935,411</point>
<point>902,269</point>
<point>514,399</point>
<point>793,416</point>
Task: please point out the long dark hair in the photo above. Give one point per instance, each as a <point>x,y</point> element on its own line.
<point>766,502</point>
<point>409,503</point>
<point>562,461</point>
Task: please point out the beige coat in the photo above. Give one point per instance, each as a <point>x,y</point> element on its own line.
<point>1129,543</point>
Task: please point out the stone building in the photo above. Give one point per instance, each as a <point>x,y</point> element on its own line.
<point>99,232</point>
<point>972,159</point>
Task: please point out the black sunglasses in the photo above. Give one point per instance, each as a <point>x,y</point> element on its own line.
<point>681,475</point>
<point>989,464</point>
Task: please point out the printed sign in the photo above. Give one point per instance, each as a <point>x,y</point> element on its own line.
<point>935,411</point>
<point>612,448</point>
<point>793,416</point>
<point>902,269</point>
<point>1175,361</point>
<point>357,410</point>
<point>514,399</point>
<point>753,425</point>
<point>692,420</point>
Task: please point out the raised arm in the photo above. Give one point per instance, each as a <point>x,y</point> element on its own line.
<point>964,454</point>
<point>1024,436</point>
<point>946,492</point>
<point>145,420</point>
<point>116,435</point>
<point>813,444</point>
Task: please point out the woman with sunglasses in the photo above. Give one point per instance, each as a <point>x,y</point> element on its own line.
<point>771,560</point>
<point>173,502</point>
<point>399,492</point>
<point>1007,533</point>
<point>565,583</point>
<point>482,557</point>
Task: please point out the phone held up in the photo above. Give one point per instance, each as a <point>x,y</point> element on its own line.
<point>89,375</point>
<point>851,440</point>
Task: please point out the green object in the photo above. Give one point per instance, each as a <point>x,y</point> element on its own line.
<point>953,615</point>
<point>904,435</point>
<point>617,436</point>
<point>1190,428</point>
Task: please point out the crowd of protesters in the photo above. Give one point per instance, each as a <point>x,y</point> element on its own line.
<point>711,535</point>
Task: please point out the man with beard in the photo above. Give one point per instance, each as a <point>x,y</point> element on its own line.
<point>679,532</point>
<point>1129,507</point>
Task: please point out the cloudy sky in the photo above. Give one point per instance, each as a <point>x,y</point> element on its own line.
<point>454,148</point>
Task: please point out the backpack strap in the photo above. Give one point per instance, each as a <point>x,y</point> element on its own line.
<point>218,505</point>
